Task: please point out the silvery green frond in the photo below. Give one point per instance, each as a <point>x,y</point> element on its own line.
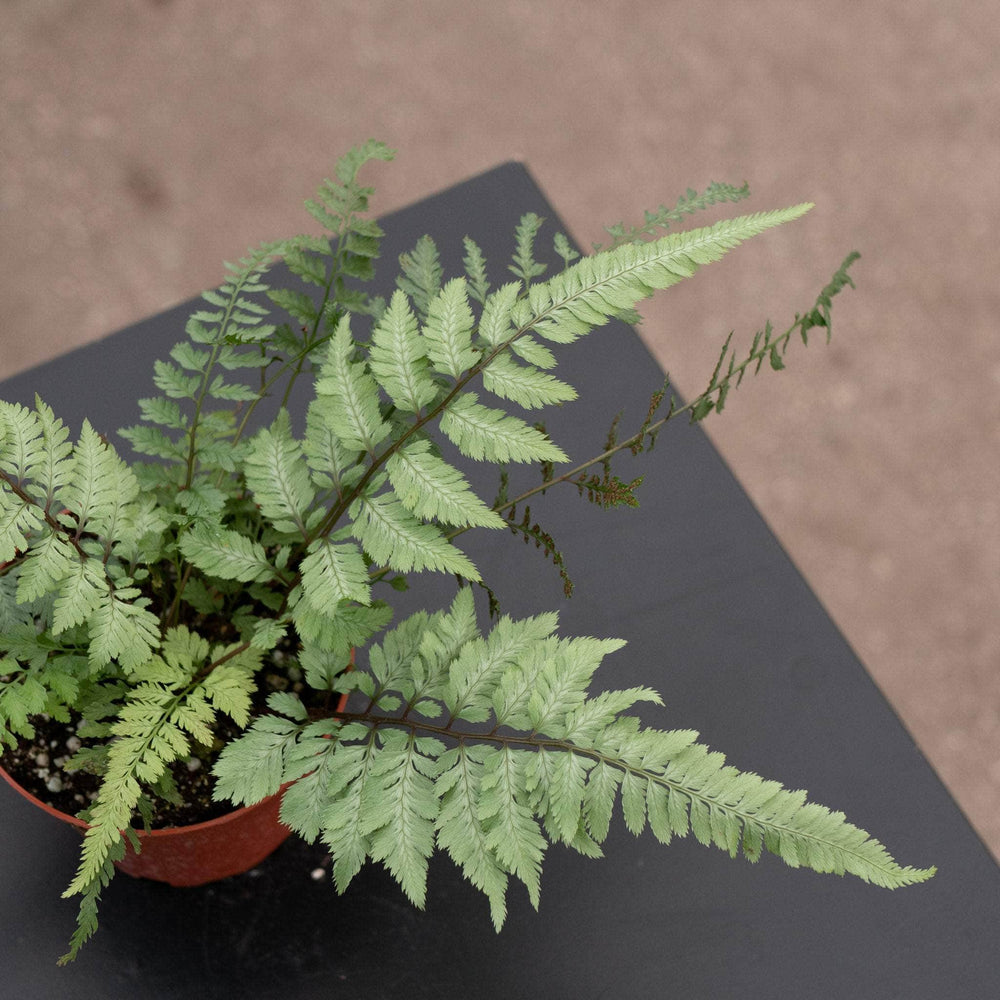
<point>398,357</point>
<point>425,769</point>
<point>434,490</point>
<point>225,553</point>
<point>19,517</point>
<point>23,441</point>
<point>495,322</point>
<point>276,472</point>
<point>475,269</point>
<point>447,332</point>
<point>333,572</point>
<point>102,485</point>
<point>590,292</point>
<point>353,403</point>
<point>50,560</point>
<point>394,537</point>
<point>525,384</point>
<point>460,830</point>
<point>251,768</point>
<point>492,435</point>
<point>525,266</point>
<point>121,628</point>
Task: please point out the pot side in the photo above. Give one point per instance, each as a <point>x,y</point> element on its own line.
<point>196,854</point>
<point>199,853</point>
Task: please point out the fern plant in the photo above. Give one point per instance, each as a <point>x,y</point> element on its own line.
<point>147,599</point>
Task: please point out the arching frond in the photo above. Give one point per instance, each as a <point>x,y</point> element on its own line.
<point>551,767</point>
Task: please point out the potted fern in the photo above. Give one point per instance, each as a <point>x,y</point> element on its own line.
<point>190,618</point>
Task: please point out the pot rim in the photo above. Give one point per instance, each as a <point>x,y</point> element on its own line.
<point>166,831</point>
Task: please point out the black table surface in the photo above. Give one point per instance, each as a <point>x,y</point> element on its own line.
<point>717,619</point>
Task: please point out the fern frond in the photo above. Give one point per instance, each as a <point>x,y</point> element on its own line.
<point>102,485</point>
<point>23,442</point>
<point>36,463</point>
<point>19,517</point>
<point>251,768</point>
<point>21,697</point>
<point>163,411</point>
<point>688,203</point>
<point>49,561</point>
<point>343,821</point>
<point>332,573</point>
<point>218,388</point>
<point>551,767</point>
<point>162,712</point>
<point>728,373</point>
<point>336,629</point>
<point>525,385</point>
<point>431,489</point>
<point>562,246</point>
<point>172,381</point>
<point>53,468</point>
<point>401,808</point>
<point>483,433</point>
<point>460,830</point>
<point>310,267</point>
<point>86,923</point>
<point>556,783</point>
<point>597,288</point>
<point>80,594</point>
<point>525,266</point>
<point>121,628</point>
<point>421,274</point>
<point>353,410</point>
<point>229,686</point>
<point>393,537</point>
<point>476,671</point>
<point>495,321</point>
<point>331,463</point>
<point>225,553</point>
<point>398,357</point>
<point>475,269</point>
<point>276,472</point>
<point>447,333</point>
<point>304,803</point>
<point>511,831</point>
<point>609,491</point>
<point>531,531</point>
<point>153,442</point>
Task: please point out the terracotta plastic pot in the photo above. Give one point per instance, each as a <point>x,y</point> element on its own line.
<point>194,855</point>
<point>200,853</point>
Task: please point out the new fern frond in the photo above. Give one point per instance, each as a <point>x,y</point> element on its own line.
<point>147,598</point>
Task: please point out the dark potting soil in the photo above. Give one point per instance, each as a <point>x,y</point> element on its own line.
<point>38,766</point>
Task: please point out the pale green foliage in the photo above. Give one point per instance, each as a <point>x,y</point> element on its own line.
<point>170,703</point>
<point>117,581</point>
<point>548,766</point>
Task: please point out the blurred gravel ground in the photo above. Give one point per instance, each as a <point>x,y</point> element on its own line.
<point>141,143</point>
